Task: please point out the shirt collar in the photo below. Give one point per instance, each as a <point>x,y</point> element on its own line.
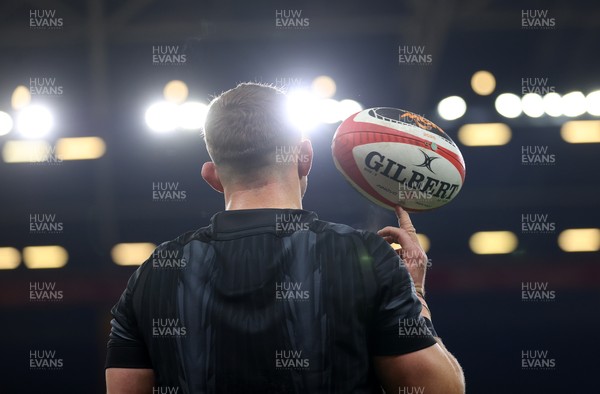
<point>279,221</point>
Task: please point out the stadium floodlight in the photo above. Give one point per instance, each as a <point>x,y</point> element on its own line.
<point>34,121</point>
<point>6,123</point>
<point>161,117</point>
<point>593,103</point>
<point>329,111</point>
<point>508,105</point>
<point>533,105</point>
<point>553,104</point>
<point>349,107</point>
<point>452,108</point>
<point>302,109</point>
<point>574,104</point>
<point>192,115</point>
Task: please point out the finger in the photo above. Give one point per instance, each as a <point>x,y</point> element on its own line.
<point>399,235</point>
<point>389,240</point>
<point>404,219</point>
<point>389,232</point>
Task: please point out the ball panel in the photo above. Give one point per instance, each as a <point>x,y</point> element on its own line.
<point>370,137</point>
<point>394,157</point>
<point>361,190</point>
<point>414,178</point>
<point>364,123</point>
<point>344,161</point>
<point>405,121</point>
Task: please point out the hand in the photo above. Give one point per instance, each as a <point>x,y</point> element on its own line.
<point>413,255</point>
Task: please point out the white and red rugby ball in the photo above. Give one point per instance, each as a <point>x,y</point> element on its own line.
<point>395,157</point>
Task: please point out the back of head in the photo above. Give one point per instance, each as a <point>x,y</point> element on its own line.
<point>245,127</point>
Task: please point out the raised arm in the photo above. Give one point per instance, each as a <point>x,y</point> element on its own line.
<point>430,370</point>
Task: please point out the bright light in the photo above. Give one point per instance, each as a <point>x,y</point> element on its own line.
<point>192,115</point>
<point>581,131</point>
<point>483,83</point>
<point>580,240</point>
<point>162,117</point>
<point>573,104</point>
<point>452,107</point>
<point>10,258</point>
<point>81,148</point>
<point>348,108</point>
<point>30,151</point>
<point>508,105</point>
<point>493,242</point>
<point>484,134</point>
<point>175,92</point>
<point>553,104</point>
<point>34,121</point>
<point>131,253</point>
<point>533,105</point>
<point>306,111</point>
<point>323,86</point>
<point>302,109</point>
<point>593,103</point>
<point>21,98</point>
<point>6,123</point>
<point>328,111</point>
<point>45,256</point>
<point>166,116</point>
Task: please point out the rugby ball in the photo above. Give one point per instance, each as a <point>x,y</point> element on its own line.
<point>395,157</point>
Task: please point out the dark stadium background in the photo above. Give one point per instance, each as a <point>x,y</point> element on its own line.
<point>104,65</point>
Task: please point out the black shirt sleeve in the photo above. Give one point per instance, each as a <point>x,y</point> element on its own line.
<point>398,327</point>
<point>126,347</point>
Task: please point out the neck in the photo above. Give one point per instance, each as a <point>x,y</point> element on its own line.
<point>269,195</point>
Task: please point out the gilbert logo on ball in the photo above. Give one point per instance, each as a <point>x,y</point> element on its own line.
<point>395,157</point>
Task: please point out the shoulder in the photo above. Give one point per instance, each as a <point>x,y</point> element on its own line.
<point>172,254</point>
<point>185,239</point>
<point>373,242</point>
<point>340,229</point>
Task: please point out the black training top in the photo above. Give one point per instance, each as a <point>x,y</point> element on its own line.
<point>267,301</point>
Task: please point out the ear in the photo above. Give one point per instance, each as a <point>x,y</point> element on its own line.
<point>209,174</point>
<point>305,159</point>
